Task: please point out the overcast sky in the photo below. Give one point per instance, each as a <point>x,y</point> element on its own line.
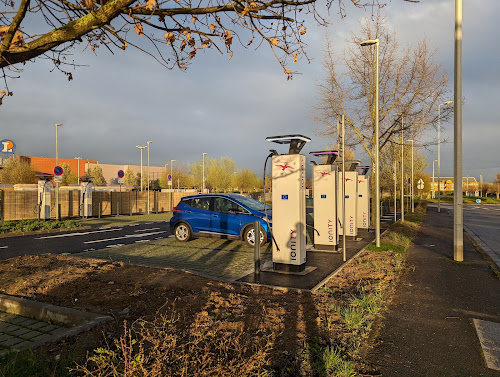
<point>228,108</point>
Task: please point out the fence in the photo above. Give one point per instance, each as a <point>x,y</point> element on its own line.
<point>19,205</point>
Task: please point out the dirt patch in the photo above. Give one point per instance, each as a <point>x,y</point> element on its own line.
<point>284,332</point>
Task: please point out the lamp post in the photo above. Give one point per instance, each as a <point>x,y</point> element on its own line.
<point>57,164</point>
<point>402,170</point>
<point>433,186</point>
<point>481,181</point>
<point>439,151</point>
<point>172,183</point>
<point>377,181</point>
<point>148,142</point>
<point>141,147</point>
<point>203,179</point>
<point>458,200</point>
<point>78,168</point>
<point>395,190</point>
<point>412,185</point>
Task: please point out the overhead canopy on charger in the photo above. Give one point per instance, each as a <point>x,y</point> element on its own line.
<point>86,179</point>
<point>364,169</point>
<point>331,155</point>
<point>296,142</point>
<point>349,165</point>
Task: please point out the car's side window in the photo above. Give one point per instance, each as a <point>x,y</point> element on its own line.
<point>189,202</point>
<point>201,203</point>
<point>224,205</point>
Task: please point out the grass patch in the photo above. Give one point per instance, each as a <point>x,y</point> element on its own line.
<point>39,364</point>
<point>33,225</point>
<point>386,246</point>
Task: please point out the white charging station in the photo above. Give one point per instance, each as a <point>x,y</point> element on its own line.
<point>351,193</point>
<point>44,195</point>
<point>289,205</point>
<point>326,237</point>
<point>363,197</point>
<point>86,188</point>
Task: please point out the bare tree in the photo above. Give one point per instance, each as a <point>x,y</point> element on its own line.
<point>411,82</point>
<point>174,31</point>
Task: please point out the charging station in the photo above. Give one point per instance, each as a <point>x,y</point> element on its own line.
<point>86,188</point>
<point>351,194</point>
<point>325,202</point>
<point>289,205</point>
<point>44,198</point>
<point>363,197</point>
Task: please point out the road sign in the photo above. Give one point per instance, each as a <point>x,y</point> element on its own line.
<point>478,201</point>
<point>58,179</point>
<point>121,174</point>
<point>169,177</point>
<point>121,181</point>
<point>58,170</point>
<point>420,184</point>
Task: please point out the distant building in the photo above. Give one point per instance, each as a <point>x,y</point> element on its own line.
<point>46,165</point>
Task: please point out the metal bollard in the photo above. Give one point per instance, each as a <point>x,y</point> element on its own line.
<point>100,209</point>
<point>131,206</point>
<point>118,209</point>
<point>256,249</point>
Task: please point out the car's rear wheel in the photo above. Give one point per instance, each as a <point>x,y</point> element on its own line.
<point>249,236</point>
<point>182,232</point>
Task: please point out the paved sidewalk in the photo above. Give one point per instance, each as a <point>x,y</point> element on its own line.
<point>18,332</point>
<point>429,329</point>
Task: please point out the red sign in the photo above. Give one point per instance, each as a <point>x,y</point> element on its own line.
<point>58,170</point>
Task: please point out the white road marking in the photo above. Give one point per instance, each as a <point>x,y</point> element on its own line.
<point>158,238</point>
<point>116,245</point>
<point>127,236</point>
<point>142,241</point>
<point>77,234</point>
<point>3,247</point>
<point>91,249</point>
<point>144,230</point>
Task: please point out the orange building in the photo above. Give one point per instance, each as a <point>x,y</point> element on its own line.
<point>46,165</point>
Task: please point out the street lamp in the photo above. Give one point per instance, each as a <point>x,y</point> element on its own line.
<point>375,42</point>
<point>439,150</point>
<point>57,164</point>
<point>78,168</point>
<point>434,187</point>
<point>148,142</point>
<point>141,147</point>
<point>481,180</point>
<point>402,171</point>
<point>412,185</point>
<point>172,183</point>
<point>203,179</point>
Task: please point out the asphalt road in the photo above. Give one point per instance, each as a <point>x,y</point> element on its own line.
<point>484,223</point>
<point>83,240</point>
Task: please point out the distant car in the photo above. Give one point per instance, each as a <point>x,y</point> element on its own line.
<point>229,216</point>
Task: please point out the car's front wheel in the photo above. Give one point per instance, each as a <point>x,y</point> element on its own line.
<point>249,236</point>
<point>182,232</point>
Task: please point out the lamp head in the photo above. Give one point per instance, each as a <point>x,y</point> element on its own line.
<point>447,102</point>
<point>370,42</point>
<point>58,124</point>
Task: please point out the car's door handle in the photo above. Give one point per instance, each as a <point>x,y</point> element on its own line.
<point>189,211</point>
<point>215,215</point>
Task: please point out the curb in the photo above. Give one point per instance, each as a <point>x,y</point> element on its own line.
<point>43,231</point>
<point>76,320</point>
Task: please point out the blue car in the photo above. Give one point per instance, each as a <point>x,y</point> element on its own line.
<point>230,216</point>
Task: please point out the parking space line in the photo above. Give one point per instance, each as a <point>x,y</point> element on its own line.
<point>127,236</point>
<point>3,247</point>
<point>77,234</point>
<point>145,230</point>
